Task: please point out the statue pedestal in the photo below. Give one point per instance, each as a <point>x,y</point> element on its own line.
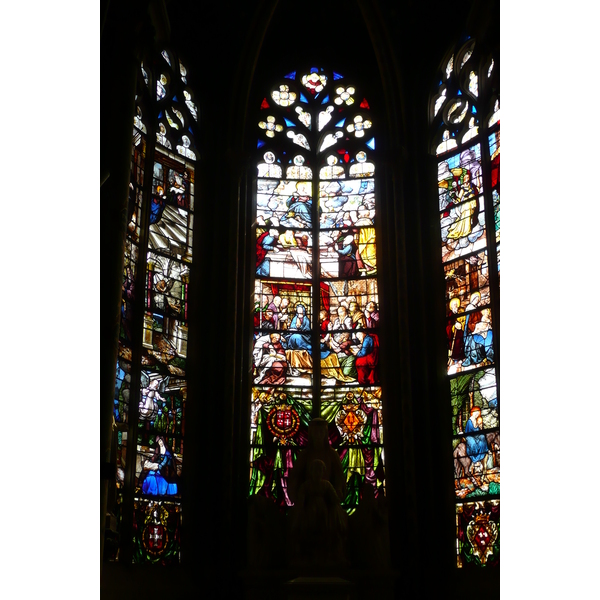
<point>318,588</point>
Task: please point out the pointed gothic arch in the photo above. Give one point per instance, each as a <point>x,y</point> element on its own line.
<point>465,121</point>
<point>316,319</point>
<point>151,370</point>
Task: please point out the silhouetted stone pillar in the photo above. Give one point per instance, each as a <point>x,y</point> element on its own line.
<point>118,77</point>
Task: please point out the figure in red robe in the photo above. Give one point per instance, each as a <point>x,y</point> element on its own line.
<point>367,358</point>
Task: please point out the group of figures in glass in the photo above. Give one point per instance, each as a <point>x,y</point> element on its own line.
<point>349,346</point>
<point>288,226</point>
<point>315,236</point>
<point>467,172</point>
<point>157,261</point>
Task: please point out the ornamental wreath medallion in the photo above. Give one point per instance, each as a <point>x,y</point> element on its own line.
<point>482,533</point>
<point>155,534</point>
<point>351,421</point>
<point>283,422</point>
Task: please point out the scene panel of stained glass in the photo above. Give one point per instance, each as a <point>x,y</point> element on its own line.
<point>276,303</point>
<point>355,424</point>
<point>470,339</point>
<point>462,218</point>
<point>346,203</point>
<point>167,286</point>
<point>282,358</point>
<point>161,403</point>
<point>165,343</point>
<point>476,463</point>
<point>478,534</point>
<point>169,232</point>
<point>278,429</point>
<point>349,304</point>
<point>159,464</point>
<point>284,252</point>
<point>348,252</point>
<point>463,229</point>
<point>170,218</point>
<point>156,532</point>
<point>458,169</point>
<point>467,282</point>
<point>350,358</point>
<point>471,391</point>
<point>284,203</point>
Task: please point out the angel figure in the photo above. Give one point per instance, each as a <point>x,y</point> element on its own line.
<point>151,395</point>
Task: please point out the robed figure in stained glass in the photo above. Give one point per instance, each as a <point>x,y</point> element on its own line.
<point>467,213</point>
<point>300,322</point>
<point>269,360</point>
<point>477,447</point>
<point>299,207</point>
<point>367,358</point>
<point>161,475</point>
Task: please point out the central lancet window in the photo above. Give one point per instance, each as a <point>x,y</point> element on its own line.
<point>316,306</point>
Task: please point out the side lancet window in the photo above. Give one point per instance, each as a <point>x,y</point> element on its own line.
<point>316,315</point>
<point>465,121</point>
<point>151,384</point>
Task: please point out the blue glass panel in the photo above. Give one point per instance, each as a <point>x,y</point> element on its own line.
<point>337,76</point>
<point>326,99</point>
<point>291,75</point>
<point>341,123</point>
<point>260,144</point>
<point>303,98</point>
<point>175,98</point>
<point>371,143</point>
<point>289,123</point>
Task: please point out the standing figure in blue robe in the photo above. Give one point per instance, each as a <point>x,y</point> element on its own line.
<point>157,205</point>
<point>266,242</point>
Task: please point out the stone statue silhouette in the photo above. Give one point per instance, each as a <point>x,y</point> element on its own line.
<point>318,524</point>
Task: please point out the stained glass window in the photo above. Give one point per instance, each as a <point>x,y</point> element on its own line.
<point>316,319</point>
<point>465,118</point>
<point>151,383</point>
